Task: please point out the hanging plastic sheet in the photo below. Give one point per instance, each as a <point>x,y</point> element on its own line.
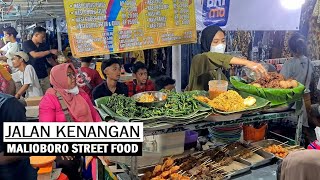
<point>247,15</point>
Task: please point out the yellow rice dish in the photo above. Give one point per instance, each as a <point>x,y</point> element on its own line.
<point>147,98</point>
<point>228,102</point>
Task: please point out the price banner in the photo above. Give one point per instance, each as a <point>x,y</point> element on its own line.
<point>98,27</point>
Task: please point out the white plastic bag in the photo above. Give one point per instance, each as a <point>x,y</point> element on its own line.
<point>317,129</point>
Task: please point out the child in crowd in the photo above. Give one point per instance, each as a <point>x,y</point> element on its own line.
<point>166,83</point>
<point>141,83</point>
<point>87,78</point>
<point>26,75</point>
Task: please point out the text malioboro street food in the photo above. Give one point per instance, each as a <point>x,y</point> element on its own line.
<point>69,138</point>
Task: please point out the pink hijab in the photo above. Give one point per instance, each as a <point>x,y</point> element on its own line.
<point>77,105</point>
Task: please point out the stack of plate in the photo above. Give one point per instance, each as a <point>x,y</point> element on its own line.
<point>226,134</point>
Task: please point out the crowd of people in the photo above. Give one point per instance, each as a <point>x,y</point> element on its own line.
<point>67,93</point>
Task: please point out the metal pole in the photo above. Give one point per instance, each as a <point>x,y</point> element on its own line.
<point>176,66</point>
<point>59,41</point>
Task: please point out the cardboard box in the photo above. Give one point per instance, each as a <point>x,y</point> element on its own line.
<point>33,101</point>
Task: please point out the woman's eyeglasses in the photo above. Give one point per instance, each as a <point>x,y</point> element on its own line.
<point>71,75</point>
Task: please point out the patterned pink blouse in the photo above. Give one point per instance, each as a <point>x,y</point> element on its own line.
<point>4,84</point>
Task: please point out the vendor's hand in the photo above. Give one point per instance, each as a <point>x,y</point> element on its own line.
<point>54,51</point>
<point>17,96</point>
<point>258,68</point>
<point>69,158</point>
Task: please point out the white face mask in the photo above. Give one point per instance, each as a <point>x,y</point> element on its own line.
<point>74,90</point>
<point>220,48</point>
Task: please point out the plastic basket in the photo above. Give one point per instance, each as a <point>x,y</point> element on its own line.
<point>254,134</point>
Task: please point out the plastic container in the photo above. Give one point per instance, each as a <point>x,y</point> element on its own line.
<point>42,161</point>
<point>217,87</point>
<point>171,144</point>
<point>252,74</point>
<point>190,140</point>
<point>254,134</point>
<point>317,131</point>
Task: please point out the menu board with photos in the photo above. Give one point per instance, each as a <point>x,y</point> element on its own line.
<point>98,27</point>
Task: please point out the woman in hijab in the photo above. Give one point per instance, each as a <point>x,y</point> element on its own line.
<point>204,67</point>
<point>65,102</point>
<point>301,165</point>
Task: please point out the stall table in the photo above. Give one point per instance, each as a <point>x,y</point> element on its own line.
<point>245,119</point>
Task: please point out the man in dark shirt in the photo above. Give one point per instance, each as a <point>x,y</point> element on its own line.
<point>111,70</point>
<point>13,167</point>
<point>38,53</point>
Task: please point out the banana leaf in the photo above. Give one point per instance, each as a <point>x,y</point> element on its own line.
<point>275,96</point>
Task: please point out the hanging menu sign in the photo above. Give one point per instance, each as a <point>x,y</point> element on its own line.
<point>98,27</point>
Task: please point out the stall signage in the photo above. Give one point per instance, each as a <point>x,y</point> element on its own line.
<point>215,12</point>
<point>98,27</point>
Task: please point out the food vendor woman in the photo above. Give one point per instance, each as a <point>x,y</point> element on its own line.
<point>204,67</point>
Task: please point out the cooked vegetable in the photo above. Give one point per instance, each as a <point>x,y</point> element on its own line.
<point>177,105</point>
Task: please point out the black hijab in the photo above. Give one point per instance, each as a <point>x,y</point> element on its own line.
<point>207,36</point>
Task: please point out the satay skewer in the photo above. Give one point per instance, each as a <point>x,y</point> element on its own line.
<point>217,170</point>
<point>183,172</point>
<point>215,165</point>
<point>224,173</point>
<point>197,153</point>
<point>283,143</point>
<point>206,162</point>
<point>180,171</point>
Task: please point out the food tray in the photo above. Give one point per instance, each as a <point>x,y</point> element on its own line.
<point>260,157</point>
<point>269,142</point>
<point>267,157</point>
<point>247,166</point>
<point>143,170</point>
